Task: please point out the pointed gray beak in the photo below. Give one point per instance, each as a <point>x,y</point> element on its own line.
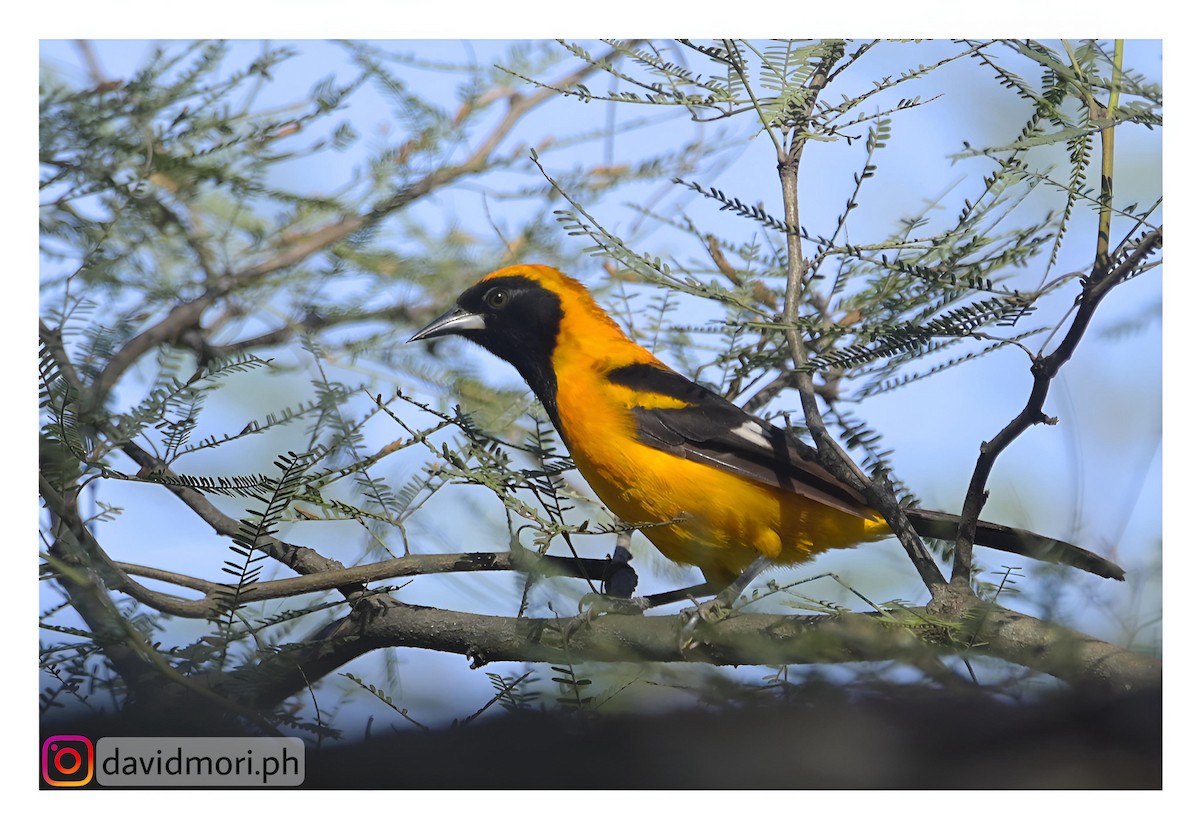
<point>454,321</point>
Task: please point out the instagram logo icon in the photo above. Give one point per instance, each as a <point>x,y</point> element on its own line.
<point>67,761</point>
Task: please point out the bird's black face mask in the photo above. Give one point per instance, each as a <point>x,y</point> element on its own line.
<point>517,320</point>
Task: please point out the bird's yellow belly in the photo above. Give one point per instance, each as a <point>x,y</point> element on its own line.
<point>712,519</point>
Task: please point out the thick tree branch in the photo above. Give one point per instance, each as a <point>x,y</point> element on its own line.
<point>741,639</point>
<point>1082,661</point>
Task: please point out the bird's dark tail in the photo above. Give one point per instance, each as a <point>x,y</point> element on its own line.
<point>943,526</point>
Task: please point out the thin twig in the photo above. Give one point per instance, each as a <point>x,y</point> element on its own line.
<point>1044,369</point>
<point>832,455</point>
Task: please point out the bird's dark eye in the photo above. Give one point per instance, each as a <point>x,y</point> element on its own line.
<point>496,297</point>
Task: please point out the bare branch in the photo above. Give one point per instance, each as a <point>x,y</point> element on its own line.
<point>1044,369</point>
<point>357,576</point>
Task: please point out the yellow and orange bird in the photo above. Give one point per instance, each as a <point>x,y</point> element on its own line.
<point>727,490</point>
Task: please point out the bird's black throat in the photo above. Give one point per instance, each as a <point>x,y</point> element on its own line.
<point>523,333</point>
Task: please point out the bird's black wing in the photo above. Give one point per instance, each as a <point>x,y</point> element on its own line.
<point>711,430</point>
